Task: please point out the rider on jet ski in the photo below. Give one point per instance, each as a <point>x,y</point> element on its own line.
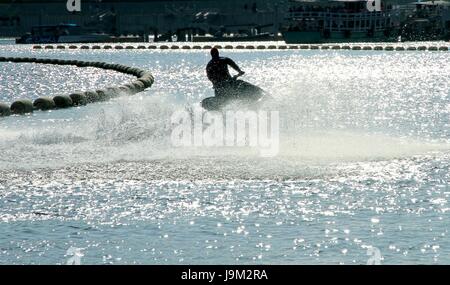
<point>228,88</point>
<point>218,74</point>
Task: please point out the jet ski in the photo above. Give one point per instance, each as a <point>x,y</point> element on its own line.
<point>236,94</point>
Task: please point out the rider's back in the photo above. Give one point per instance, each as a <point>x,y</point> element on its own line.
<point>217,70</point>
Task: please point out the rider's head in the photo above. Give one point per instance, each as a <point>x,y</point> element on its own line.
<point>214,52</point>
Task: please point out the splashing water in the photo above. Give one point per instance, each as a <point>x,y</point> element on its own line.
<point>364,161</point>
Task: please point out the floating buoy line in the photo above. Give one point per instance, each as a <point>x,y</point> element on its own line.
<point>24,106</point>
<point>246,47</point>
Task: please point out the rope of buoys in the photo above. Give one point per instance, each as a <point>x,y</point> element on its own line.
<point>22,106</point>
<point>144,80</point>
<point>44,103</point>
<point>5,110</point>
<point>250,47</point>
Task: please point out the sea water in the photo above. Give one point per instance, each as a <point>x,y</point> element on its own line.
<point>363,165</point>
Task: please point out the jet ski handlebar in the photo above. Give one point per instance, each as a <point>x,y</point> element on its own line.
<point>238,75</point>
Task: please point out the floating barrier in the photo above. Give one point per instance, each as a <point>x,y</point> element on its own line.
<point>44,104</point>
<point>97,95</point>
<point>144,80</point>
<point>63,101</point>
<point>248,47</point>
<point>78,99</point>
<point>23,106</point>
<point>4,110</point>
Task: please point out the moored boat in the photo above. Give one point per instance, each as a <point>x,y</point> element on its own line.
<point>339,21</point>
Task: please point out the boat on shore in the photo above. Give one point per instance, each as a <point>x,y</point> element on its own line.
<point>338,21</point>
<point>235,38</point>
<point>429,21</point>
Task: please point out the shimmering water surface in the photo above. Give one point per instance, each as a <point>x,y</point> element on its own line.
<point>364,162</point>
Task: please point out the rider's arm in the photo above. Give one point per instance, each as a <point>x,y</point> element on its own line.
<point>231,63</point>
